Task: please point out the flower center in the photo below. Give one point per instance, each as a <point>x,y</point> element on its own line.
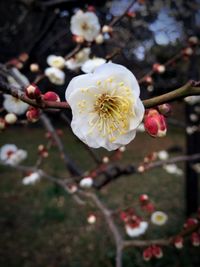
<point>85,26</point>
<point>114,112</point>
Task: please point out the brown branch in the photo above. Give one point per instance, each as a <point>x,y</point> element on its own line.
<point>162,242</point>
<point>189,89</point>
<point>173,160</point>
<point>69,163</point>
<point>112,226</point>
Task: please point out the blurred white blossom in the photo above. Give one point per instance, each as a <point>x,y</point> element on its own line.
<point>173,169</point>
<point>78,60</point>
<point>86,182</point>
<point>14,105</point>
<point>91,64</point>
<point>85,24</point>
<point>159,218</point>
<point>31,178</point>
<point>55,75</point>
<point>56,61</point>
<point>10,154</point>
<point>137,230</point>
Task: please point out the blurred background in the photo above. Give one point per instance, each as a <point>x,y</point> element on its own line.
<point>41,225</point>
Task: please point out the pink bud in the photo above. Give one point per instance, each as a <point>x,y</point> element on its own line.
<point>190,222</point>
<point>187,51</point>
<point>23,57</point>
<point>178,242</point>
<point>33,114</point>
<point>193,40</point>
<point>157,252</point>
<point>78,39</point>
<point>124,216</point>
<point>195,239</point>
<point>158,68</point>
<point>2,124</point>
<point>143,198</point>
<point>149,207</point>
<point>147,254</point>
<point>155,123</point>
<point>165,109</point>
<point>148,80</point>
<point>43,151</point>
<point>91,8</point>
<point>51,96</point>
<point>32,91</point>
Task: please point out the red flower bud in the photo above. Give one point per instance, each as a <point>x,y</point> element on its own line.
<point>178,242</point>
<point>147,254</point>
<point>33,114</point>
<point>43,151</point>
<point>155,123</point>
<point>195,239</point>
<point>143,198</point>
<point>123,216</point>
<point>149,207</point>
<point>190,222</point>
<point>32,91</point>
<point>157,252</point>
<point>51,96</point>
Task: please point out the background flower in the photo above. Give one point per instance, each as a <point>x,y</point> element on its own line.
<point>14,105</point>
<point>136,231</point>
<point>78,60</point>
<point>56,61</point>
<point>55,75</point>
<point>86,25</point>
<point>91,64</point>
<point>159,218</point>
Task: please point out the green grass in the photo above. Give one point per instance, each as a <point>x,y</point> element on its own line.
<point>42,226</point>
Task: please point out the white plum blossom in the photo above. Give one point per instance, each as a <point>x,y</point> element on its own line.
<point>192,100</point>
<point>55,75</point>
<point>14,105</point>
<point>31,178</point>
<point>136,231</point>
<point>172,169</point>
<point>78,60</point>
<point>159,218</point>
<point>85,24</point>
<point>56,61</point>
<point>106,107</point>
<point>7,150</point>
<point>86,182</point>
<point>17,157</point>
<point>10,154</point>
<point>163,155</point>
<point>91,64</point>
